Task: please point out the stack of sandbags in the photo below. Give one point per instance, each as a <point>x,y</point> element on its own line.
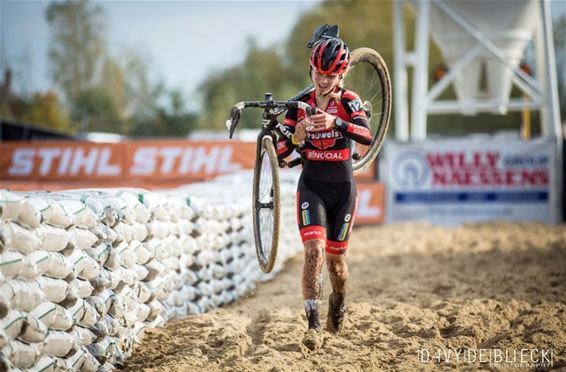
<point>44,283</point>
<point>84,272</point>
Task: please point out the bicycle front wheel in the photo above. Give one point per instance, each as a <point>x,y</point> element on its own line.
<point>369,78</point>
<point>266,204</point>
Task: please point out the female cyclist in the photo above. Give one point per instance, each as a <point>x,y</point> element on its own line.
<point>326,194</point>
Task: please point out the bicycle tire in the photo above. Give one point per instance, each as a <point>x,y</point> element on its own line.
<point>266,204</point>
<point>373,68</point>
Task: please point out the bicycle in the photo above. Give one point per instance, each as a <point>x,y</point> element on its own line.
<point>365,63</point>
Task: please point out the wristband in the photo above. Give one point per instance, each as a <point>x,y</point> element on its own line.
<point>341,124</point>
<point>294,140</point>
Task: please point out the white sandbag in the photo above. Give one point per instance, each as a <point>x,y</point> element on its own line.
<point>138,332</point>
<point>98,303</point>
<point>159,321</point>
<point>103,349</point>
<point>34,330</point>
<point>59,266</point>
<point>102,281</point>
<point>173,229</point>
<point>126,211</point>
<point>171,263</point>
<point>113,261</point>
<point>105,211</point>
<point>140,272</point>
<point>131,198</point>
<point>53,316</point>
<point>75,361</point>
<point>128,276</point>
<point>82,238</point>
<point>11,205</point>
<point>16,237</point>
<point>55,239</point>
<point>104,233</point>
<point>156,308</point>
<point>59,343</point>
<point>115,278</point>
<point>139,231</point>
<point>77,311</point>
<point>90,316</point>
<point>13,323</point>
<point>155,269</point>
<point>124,232</point>
<point>127,256</point>
<point>143,251</point>
<point>117,309</point>
<point>81,288</point>
<point>189,244</point>
<point>21,355</point>
<point>173,245</point>
<point>188,293</point>
<point>90,364</point>
<point>22,295</point>
<point>157,229</point>
<point>185,226</point>
<point>108,296</point>
<point>142,292</point>
<point>4,339</point>
<point>45,364</point>
<point>55,290</point>
<point>12,263</point>
<point>39,264</point>
<point>99,252</point>
<point>32,211</point>
<point>141,312</point>
<point>83,335</point>
<point>156,204</point>
<point>80,214</point>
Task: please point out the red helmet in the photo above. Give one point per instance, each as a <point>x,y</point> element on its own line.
<point>330,56</point>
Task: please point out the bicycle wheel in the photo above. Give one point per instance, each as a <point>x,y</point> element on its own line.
<point>369,78</point>
<point>266,204</point>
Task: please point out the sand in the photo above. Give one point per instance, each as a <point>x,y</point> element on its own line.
<point>416,292</point>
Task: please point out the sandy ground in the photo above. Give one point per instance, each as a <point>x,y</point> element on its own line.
<point>416,291</point>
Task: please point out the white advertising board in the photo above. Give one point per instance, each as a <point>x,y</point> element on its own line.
<point>454,181</point>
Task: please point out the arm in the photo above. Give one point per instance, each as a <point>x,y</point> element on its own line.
<point>285,146</point>
<point>358,130</point>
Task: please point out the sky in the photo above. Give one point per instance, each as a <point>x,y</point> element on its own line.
<point>184,40</point>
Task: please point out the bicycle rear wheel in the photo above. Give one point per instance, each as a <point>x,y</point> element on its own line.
<point>369,78</point>
<point>266,204</point>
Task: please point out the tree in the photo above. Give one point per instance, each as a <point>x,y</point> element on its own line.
<point>77,48</point>
<point>46,110</point>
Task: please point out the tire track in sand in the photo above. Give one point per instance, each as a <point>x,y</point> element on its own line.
<point>412,287</point>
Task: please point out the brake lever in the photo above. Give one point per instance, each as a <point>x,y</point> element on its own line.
<point>235,114</point>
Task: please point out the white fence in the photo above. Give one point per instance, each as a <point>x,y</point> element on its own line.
<point>84,272</point>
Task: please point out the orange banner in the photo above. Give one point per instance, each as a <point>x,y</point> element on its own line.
<point>182,161</point>
<point>371,203</point>
<point>140,163</point>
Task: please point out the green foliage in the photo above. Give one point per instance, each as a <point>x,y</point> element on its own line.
<point>105,93</point>
<point>77,47</point>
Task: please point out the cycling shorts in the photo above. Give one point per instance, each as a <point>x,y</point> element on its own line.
<point>326,211</point>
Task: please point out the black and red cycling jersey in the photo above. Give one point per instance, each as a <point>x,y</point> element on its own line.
<point>328,153</point>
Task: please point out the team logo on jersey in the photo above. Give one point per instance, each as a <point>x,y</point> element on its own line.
<point>355,105</point>
<point>348,217</point>
<point>305,205</point>
<point>332,110</point>
<point>324,140</point>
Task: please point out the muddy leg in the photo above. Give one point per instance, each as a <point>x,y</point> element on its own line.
<point>338,272</point>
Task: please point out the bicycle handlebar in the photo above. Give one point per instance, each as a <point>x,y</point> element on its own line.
<point>237,109</point>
